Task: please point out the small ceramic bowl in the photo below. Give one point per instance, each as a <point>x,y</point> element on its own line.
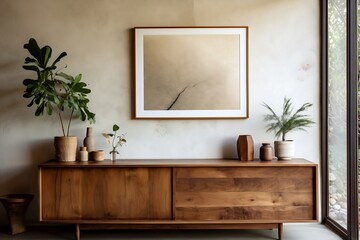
<point>97,155</point>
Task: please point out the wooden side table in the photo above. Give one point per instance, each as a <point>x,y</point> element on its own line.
<point>16,206</point>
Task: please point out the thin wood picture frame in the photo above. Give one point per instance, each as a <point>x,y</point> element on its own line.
<point>191,72</point>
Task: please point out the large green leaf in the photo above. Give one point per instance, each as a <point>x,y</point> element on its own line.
<point>49,109</point>
<point>63,54</point>
<point>38,99</point>
<point>33,48</point>
<point>28,95</point>
<point>82,115</point>
<point>90,115</point>
<point>30,60</point>
<point>45,54</point>
<point>57,101</point>
<point>40,109</point>
<point>66,76</point>
<point>27,82</point>
<point>79,88</point>
<point>50,68</point>
<point>115,127</point>
<point>31,103</point>
<point>32,68</point>
<point>77,79</point>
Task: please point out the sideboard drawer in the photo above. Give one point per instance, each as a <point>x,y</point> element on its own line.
<point>245,193</point>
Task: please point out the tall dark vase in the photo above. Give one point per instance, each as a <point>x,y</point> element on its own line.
<point>245,148</point>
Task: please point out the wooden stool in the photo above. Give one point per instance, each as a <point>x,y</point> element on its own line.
<point>16,205</point>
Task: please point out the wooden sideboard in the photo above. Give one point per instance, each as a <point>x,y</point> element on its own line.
<point>178,194</point>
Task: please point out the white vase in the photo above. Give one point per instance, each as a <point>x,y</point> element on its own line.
<point>284,150</point>
<point>83,154</point>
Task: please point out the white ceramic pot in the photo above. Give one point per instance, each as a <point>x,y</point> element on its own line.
<point>65,148</point>
<point>284,150</point>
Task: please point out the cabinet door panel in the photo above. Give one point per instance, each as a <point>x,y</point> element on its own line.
<point>246,193</point>
<point>60,194</point>
<point>106,193</point>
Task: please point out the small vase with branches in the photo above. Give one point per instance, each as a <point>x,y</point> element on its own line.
<point>117,141</point>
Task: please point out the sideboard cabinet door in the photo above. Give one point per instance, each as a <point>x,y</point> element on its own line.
<point>105,193</point>
<point>246,193</point>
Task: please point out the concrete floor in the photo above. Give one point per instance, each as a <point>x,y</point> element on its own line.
<point>291,232</point>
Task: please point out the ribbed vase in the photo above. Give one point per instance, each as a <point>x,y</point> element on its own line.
<point>65,148</point>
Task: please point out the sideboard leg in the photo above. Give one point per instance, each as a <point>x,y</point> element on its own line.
<point>77,232</point>
<point>280,230</point>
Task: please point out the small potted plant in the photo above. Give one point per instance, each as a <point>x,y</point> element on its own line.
<point>286,122</point>
<point>117,141</point>
<point>52,91</point>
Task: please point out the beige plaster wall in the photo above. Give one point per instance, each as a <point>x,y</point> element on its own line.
<point>284,60</point>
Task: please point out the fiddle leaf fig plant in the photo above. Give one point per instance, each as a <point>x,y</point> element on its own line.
<point>53,90</point>
<point>287,121</point>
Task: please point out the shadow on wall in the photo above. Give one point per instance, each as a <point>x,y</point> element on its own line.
<point>25,179</point>
<point>40,151</point>
<point>12,90</point>
<point>21,174</point>
<point>18,180</point>
<point>229,148</point>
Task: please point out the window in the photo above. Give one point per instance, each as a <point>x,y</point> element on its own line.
<point>339,116</point>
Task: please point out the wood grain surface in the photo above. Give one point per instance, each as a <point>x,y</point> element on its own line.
<point>106,193</point>
<point>247,193</point>
<point>178,193</point>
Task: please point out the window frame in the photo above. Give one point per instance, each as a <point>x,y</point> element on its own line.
<point>352,231</point>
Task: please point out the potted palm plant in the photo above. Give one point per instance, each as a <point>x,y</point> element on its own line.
<point>51,91</point>
<point>286,122</point>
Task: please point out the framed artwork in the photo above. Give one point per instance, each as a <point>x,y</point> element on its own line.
<point>191,72</point>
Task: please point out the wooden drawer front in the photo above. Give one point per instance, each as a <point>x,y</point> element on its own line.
<point>105,193</point>
<point>261,193</point>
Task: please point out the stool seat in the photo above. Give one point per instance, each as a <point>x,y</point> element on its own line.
<point>13,198</point>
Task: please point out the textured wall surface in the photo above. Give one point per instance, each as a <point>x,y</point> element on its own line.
<point>284,61</point>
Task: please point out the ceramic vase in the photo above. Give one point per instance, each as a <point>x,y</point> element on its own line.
<point>113,154</point>
<point>97,155</point>
<point>245,148</point>
<point>284,150</point>
<point>65,148</point>
<point>89,141</point>
<point>266,152</point>
<point>83,154</point>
